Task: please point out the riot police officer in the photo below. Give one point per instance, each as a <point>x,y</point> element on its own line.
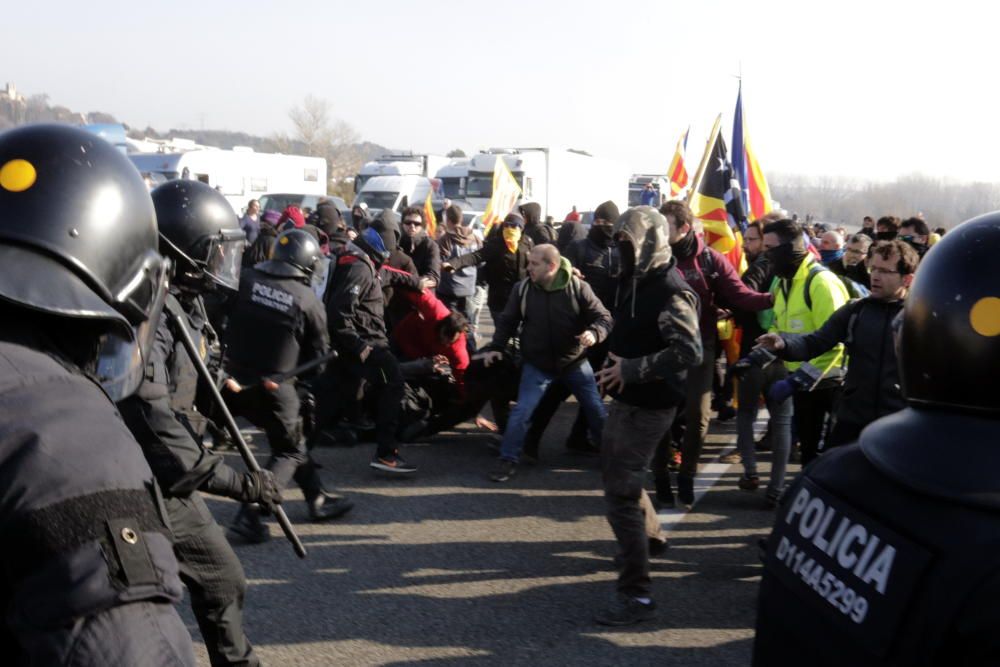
<point>201,235</point>
<point>277,324</point>
<point>87,573</point>
<point>888,551</point>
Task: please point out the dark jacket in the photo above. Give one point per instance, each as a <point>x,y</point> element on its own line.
<point>916,504</point>
<point>597,259</point>
<point>425,253</point>
<point>550,320</point>
<point>872,386</point>
<point>718,285</point>
<point>355,308</point>
<point>656,319</point>
<point>277,324</point>
<point>858,273</point>
<point>162,415</point>
<point>501,268</point>
<point>72,480</point>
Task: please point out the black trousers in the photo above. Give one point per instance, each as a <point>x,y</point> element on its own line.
<point>214,578</point>
<point>811,411</point>
<point>843,433</point>
<point>277,414</point>
<point>383,383</point>
<point>630,437</point>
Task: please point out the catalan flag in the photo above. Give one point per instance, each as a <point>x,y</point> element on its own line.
<point>677,173</point>
<point>756,194</point>
<point>505,194</point>
<point>430,221</point>
<point>716,201</point>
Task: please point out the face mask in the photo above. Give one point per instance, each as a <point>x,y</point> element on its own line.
<point>511,237</point>
<point>785,259</point>
<point>606,232</point>
<point>831,255</point>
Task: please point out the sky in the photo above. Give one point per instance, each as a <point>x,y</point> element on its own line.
<point>858,90</point>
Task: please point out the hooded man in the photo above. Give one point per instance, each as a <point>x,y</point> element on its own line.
<point>420,246</point>
<point>360,218</point>
<point>534,228</point>
<point>654,341</point>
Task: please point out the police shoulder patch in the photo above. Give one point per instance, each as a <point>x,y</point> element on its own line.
<point>851,568</point>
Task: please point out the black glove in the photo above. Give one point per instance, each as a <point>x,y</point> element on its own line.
<point>758,358</point>
<point>259,487</point>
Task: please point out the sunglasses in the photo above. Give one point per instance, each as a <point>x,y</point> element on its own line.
<point>413,223</point>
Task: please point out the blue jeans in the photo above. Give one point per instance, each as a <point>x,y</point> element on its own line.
<point>578,378</point>
<point>758,381</point>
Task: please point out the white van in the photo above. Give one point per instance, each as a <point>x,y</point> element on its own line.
<point>240,174</point>
<point>396,193</point>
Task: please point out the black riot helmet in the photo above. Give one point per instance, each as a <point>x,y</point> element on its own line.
<point>949,347</point>
<point>295,254</point>
<point>78,240</point>
<point>200,232</point>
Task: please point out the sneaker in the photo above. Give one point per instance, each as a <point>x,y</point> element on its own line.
<point>248,527</point>
<point>328,506</point>
<point>504,471</point>
<point>626,611</point>
<point>749,482</point>
<point>393,463</point>
<point>685,489</point>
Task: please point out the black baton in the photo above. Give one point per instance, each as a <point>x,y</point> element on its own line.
<point>234,431</point>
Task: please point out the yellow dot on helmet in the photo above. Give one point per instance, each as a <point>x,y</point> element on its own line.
<point>283,240</point>
<point>985,316</point>
<point>17,175</point>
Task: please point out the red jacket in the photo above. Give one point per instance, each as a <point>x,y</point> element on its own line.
<point>416,335</point>
<point>720,287</point>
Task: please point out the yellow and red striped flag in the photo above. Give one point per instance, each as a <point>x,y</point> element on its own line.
<point>758,192</point>
<point>505,194</point>
<point>677,173</point>
<point>430,221</point>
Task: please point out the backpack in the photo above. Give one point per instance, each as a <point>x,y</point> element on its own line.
<point>855,290</point>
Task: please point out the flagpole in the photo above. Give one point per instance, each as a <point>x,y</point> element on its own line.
<point>696,182</point>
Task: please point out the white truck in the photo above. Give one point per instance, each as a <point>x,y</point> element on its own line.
<point>399,164</point>
<point>556,179</point>
<point>240,174</point>
<point>396,193</point>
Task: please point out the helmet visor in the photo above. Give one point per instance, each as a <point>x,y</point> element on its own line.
<point>121,363</point>
<point>225,257</point>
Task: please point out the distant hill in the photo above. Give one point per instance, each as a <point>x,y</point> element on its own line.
<point>17,109</point>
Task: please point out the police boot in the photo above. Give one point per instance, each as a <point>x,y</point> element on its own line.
<point>326,506</point>
<point>248,526</point>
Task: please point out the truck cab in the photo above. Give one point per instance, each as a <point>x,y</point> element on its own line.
<point>396,193</point>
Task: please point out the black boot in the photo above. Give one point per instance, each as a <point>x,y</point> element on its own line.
<point>685,489</point>
<point>327,506</point>
<point>248,527</point>
<point>664,492</point>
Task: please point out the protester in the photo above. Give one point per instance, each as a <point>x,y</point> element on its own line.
<point>559,318</point>
<point>852,264</point>
<point>806,295</point>
<point>420,247</point>
<point>568,233</point>
<point>534,228</point>
<point>655,339</point>
<point>916,233</point>
<point>573,216</point>
<point>717,284</point>
<point>457,289</point>
<point>886,228</point>
<point>831,248</point>
<point>648,195</point>
<point>250,222</point>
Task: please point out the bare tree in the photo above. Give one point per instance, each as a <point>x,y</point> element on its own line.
<point>327,137</point>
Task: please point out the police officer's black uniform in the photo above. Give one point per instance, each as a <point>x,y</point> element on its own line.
<point>200,232</point>
<point>87,573</point>
<point>887,552</point>
<point>278,323</point>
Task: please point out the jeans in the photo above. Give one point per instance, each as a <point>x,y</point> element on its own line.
<point>579,378</point>
<point>755,382</point>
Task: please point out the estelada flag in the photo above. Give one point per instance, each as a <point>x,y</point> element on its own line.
<point>505,194</point>
<point>429,220</point>
<point>756,194</point>
<point>716,198</point>
<point>677,173</point>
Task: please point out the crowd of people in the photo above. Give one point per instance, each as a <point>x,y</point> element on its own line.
<point>330,331</point>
